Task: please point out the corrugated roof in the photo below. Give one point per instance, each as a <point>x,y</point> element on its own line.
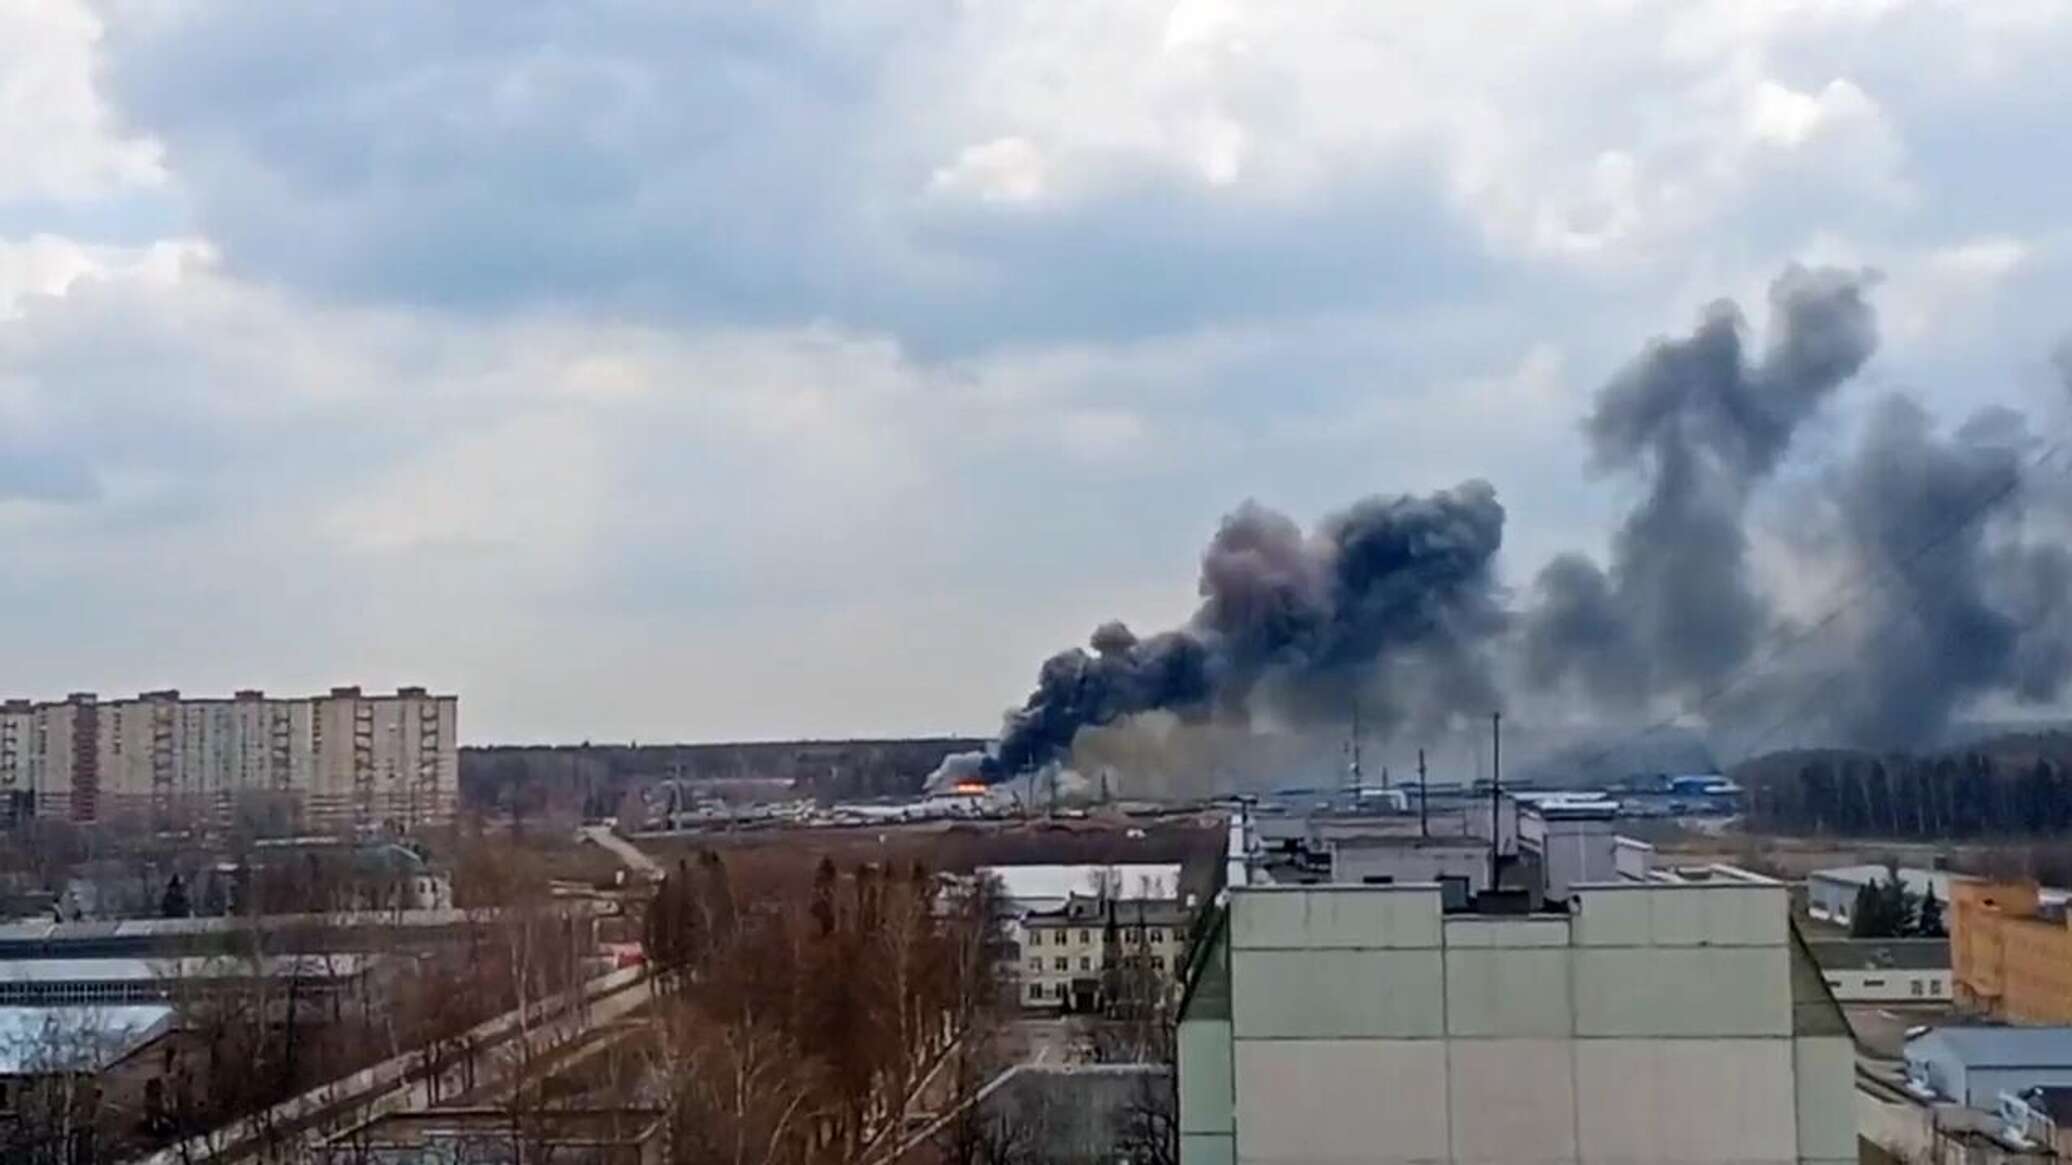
<point>2001,1047</point>
<point>56,1039</point>
<point>152,970</point>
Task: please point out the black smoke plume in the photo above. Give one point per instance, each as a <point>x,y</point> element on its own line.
<point>1392,609</point>
<point>1389,606</point>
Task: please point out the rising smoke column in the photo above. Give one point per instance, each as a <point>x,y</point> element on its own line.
<point>1959,602</point>
<point>1389,605</point>
<point>1701,424</point>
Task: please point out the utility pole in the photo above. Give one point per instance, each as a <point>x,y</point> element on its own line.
<point>1496,796</point>
<point>1353,771</point>
<point>1424,817</point>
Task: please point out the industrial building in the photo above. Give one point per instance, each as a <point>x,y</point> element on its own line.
<point>2011,951</point>
<point>1885,970</point>
<point>1831,893</point>
<point>1975,1065</point>
<point>1674,1019</point>
<point>126,982</point>
<point>343,759</point>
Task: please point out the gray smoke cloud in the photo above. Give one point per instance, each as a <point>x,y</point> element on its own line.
<point>1701,425</point>
<point>1389,606</point>
<point>1963,600</point>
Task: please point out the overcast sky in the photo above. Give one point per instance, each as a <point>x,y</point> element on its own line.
<point>674,369</point>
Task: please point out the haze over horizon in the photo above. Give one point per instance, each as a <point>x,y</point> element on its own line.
<point>718,372</point>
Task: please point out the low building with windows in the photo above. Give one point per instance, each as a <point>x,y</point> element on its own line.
<point>1071,957</point>
<point>1069,931</point>
<point>1886,970</point>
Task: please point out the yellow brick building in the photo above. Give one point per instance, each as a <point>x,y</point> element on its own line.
<point>2010,952</point>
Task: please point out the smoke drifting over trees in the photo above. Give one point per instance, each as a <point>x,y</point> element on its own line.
<point>1392,606</point>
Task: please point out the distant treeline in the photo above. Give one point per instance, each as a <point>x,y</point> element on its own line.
<point>2015,786</point>
<point>595,779</point>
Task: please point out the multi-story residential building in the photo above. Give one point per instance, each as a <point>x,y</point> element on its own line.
<point>346,758</point>
<point>1677,1018</point>
<point>2011,951</point>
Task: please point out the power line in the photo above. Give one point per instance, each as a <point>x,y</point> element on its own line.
<point>1868,580</point>
<point>1803,709</point>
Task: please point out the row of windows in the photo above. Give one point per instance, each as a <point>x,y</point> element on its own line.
<point>134,991</point>
<point>1156,934</point>
<point>1914,986</point>
<point>1062,964</point>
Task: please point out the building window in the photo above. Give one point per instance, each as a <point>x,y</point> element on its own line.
<point>1085,937</point>
<point>1036,965</point>
<point>1035,990</point>
<point>1035,938</point>
<point>1158,962</point>
<point>1157,935</point>
<point>1918,988</point>
<point>1085,964</point>
<point>1062,963</point>
<point>1873,983</point>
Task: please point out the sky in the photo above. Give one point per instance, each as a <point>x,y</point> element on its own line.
<point>674,369</point>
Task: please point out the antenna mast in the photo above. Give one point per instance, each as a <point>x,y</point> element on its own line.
<point>1496,796</point>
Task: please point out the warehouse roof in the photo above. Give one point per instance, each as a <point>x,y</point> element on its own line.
<point>153,970</point>
<point>2000,1047</point>
<point>61,1039</point>
<point>1048,887</point>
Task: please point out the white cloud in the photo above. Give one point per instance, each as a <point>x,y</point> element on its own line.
<point>1008,169</point>
<point>56,131</point>
<point>50,264</point>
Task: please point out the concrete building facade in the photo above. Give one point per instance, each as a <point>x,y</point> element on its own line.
<point>1667,1021</point>
<point>345,758</point>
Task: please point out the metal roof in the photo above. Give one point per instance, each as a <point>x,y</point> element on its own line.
<point>1998,1047</point>
<point>55,1039</point>
<point>154,970</point>
<point>1056,884</point>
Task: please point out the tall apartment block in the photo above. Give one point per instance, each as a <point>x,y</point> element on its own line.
<point>346,758</point>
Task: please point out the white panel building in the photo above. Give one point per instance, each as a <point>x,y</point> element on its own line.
<point>1665,1021</point>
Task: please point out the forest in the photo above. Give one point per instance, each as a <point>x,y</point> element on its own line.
<point>2009,788</point>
